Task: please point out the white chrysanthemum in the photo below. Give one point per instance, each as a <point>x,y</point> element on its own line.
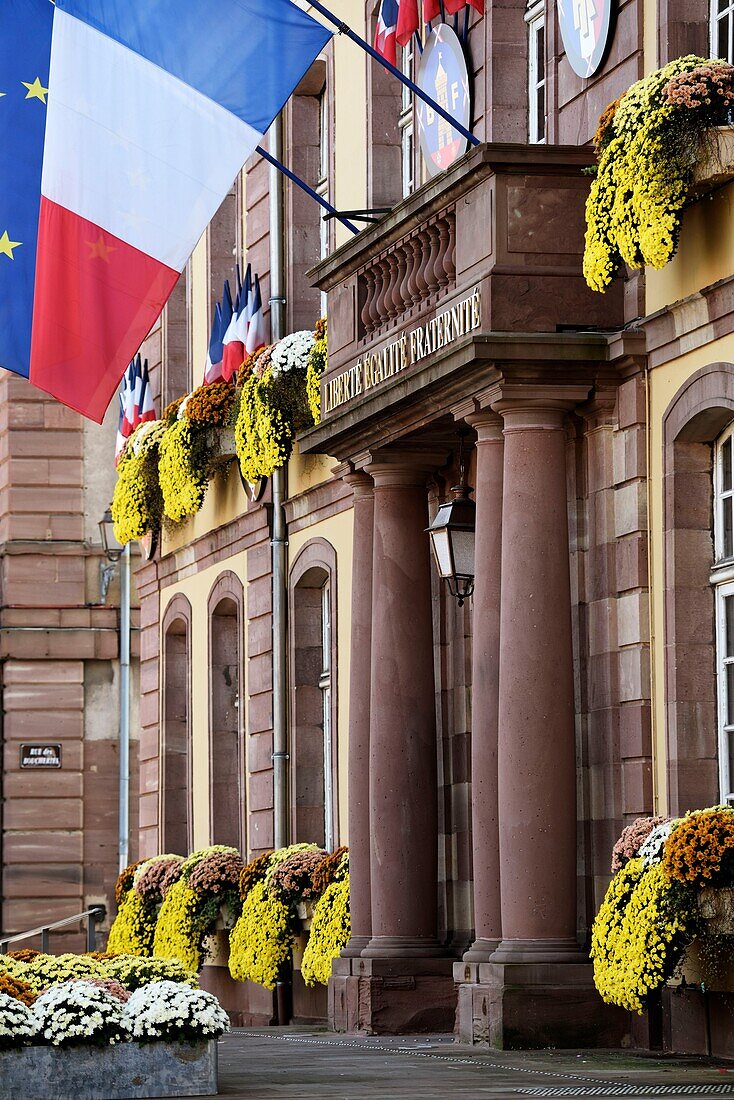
<point>651,851</point>
<point>17,1023</point>
<point>74,1011</point>
<point>171,1010</point>
<point>292,352</point>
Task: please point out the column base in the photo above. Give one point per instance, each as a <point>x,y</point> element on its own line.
<point>392,996</point>
<point>539,951</point>
<point>403,947</point>
<point>521,1006</point>
<point>481,950</point>
<point>355,947</point>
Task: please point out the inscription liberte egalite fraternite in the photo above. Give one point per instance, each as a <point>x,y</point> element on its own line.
<point>376,367</point>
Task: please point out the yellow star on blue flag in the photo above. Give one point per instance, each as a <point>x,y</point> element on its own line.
<point>7,246</point>
<point>36,90</point>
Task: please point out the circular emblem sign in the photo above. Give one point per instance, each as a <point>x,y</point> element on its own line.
<point>443,75</point>
<point>586,29</point>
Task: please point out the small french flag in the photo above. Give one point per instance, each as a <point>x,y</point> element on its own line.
<point>256,327</point>
<point>215,352</point>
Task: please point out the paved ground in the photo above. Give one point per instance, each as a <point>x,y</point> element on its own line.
<point>293,1064</point>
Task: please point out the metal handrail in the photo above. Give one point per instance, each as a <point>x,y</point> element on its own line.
<point>94,916</point>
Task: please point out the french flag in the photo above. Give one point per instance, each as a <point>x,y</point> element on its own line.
<point>387,25</point>
<point>122,124</point>
<point>215,353</point>
<point>256,326</point>
<point>234,348</point>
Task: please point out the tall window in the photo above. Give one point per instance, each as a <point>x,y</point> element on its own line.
<point>535,18</point>
<point>226,748</point>
<point>176,793</point>
<point>722,29</point>
<point>313,727</point>
<point>322,186</point>
<point>325,688</point>
<point>723,578</point>
<point>406,122</point>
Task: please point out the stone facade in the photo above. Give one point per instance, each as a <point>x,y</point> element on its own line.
<point>483,759</point>
<point>60,681</point>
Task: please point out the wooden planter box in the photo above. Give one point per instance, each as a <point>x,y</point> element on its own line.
<point>128,1070</point>
<point>712,970</point>
<point>716,165</point>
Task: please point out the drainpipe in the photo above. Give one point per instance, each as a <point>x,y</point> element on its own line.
<point>279,544</point>
<point>279,541</point>
<point>124,810</point>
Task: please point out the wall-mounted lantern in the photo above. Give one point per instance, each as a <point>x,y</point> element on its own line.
<point>452,538</point>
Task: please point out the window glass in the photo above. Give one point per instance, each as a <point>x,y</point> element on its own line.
<point>723,580</point>
<point>535,17</point>
<point>722,29</point>
<point>406,121</point>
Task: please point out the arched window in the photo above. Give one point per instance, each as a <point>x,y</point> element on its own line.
<point>314,695</point>
<point>226,711</point>
<point>176,813</point>
<point>723,581</point>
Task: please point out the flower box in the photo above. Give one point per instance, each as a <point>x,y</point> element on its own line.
<point>127,1070</point>
<point>225,448</point>
<point>716,165</point>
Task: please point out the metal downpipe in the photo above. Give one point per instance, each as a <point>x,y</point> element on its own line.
<point>279,541</point>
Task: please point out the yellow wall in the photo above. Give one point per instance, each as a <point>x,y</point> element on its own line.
<point>664,383</point>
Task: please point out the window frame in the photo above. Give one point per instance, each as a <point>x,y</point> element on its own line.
<point>722,579</point>
<point>322,184</point>
<point>716,18</point>
<point>535,20</point>
<point>406,123</point>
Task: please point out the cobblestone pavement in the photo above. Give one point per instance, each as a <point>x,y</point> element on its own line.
<point>295,1064</point>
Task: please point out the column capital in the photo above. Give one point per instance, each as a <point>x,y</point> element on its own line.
<point>407,467</point>
<point>360,483</point>
<point>537,408</point>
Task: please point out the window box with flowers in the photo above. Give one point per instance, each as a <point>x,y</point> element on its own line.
<point>668,915</point>
<point>95,1039</point>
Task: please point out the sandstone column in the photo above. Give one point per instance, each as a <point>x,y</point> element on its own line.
<point>403,773</point>
<point>485,685</point>
<point>359,715</point>
<point>536,754</point>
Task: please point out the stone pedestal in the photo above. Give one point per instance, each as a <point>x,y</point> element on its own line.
<point>515,1006</point>
<point>392,996</point>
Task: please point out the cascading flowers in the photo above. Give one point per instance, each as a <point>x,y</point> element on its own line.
<point>137,502</point>
<point>317,362</point>
<point>192,904</point>
<point>331,924</point>
<point>183,469</point>
<point>639,934</point>
<point>648,144</point>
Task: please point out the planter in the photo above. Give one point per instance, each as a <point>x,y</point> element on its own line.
<point>305,910</point>
<point>215,946</point>
<point>716,165</point>
<point>225,449</point>
<point>128,1070</point>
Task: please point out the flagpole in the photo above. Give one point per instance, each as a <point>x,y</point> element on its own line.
<point>342,28</point>
<point>304,187</point>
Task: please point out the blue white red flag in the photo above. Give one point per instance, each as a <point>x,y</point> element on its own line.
<point>387,25</point>
<point>136,402</point>
<point>215,354</point>
<point>243,314</point>
<point>109,179</point>
<point>234,350</point>
<point>256,326</point>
